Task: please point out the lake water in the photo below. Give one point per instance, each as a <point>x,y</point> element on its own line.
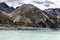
<point>30,35</point>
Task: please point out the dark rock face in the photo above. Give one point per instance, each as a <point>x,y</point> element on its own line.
<point>5,7</point>
<point>54,15</point>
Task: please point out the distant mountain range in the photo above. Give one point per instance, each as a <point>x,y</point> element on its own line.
<point>30,15</point>
<point>5,7</point>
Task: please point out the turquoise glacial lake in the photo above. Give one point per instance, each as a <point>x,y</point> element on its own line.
<point>30,35</point>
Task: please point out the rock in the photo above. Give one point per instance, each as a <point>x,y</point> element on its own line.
<point>26,21</point>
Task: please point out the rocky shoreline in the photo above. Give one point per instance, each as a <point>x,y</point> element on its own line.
<point>19,28</point>
<point>15,27</point>
<point>22,28</point>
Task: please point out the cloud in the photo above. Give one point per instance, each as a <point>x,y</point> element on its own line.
<point>13,3</point>
<point>44,4</point>
<point>3,0</point>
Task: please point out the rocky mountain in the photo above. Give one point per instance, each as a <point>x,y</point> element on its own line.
<point>5,7</point>
<point>30,15</point>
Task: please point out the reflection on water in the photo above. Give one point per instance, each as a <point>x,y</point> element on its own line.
<point>30,35</point>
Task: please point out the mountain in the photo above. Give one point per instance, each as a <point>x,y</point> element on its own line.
<point>5,7</point>
<point>30,15</point>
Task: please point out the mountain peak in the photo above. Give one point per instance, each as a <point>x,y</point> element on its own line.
<point>3,4</point>
<point>5,7</point>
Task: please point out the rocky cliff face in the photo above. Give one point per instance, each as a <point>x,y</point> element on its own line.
<point>29,15</point>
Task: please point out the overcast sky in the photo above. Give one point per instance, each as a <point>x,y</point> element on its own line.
<point>42,4</point>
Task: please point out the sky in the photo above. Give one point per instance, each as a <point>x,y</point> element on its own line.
<point>42,4</point>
